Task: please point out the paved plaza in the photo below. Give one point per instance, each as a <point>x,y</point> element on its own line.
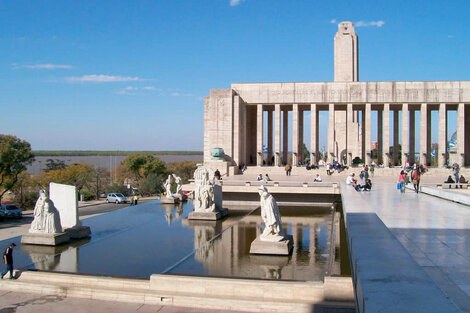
<point>433,231</point>
<point>17,302</point>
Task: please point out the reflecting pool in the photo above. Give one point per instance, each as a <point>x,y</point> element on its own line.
<point>150,238</point>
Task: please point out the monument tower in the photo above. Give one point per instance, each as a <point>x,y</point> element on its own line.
<point>346,70</point>
<point>346,60</point>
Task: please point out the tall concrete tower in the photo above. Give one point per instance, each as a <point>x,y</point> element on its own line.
<point>347,70</point>
<point>346,53</point>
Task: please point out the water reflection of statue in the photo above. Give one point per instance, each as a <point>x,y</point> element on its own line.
<point>271,217</point>
<point>204,248</point>
<point>272,271</point>
<point>169,215</point>
<point>167,186</point>
<point>204,197</point>
<point>46,216</point>
<point>179,210</point>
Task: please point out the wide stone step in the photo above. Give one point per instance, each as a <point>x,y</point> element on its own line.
<point>201,292</point>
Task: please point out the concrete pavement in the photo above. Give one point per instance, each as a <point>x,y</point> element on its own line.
<point>410,252</point>
<point>28,303</point>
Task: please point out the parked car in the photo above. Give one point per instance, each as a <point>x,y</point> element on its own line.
<point>10,211</point>
<point>116,198</point>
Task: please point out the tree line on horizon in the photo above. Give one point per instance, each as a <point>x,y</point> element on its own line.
<point>142,171</point>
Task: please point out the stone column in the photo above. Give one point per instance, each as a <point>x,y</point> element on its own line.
<point>367,143</point>
<point>442,157</point>
<point>467,131</point>
<point>461,134</point>
<point>277,135</point>
<point>331,132</point>
<point>396,121</point>
<point>411,156</point>
<point>363,135</point>
<point>259,135</point>
<point>270,136</point>
<point>386,135</point>
<point>423,135</point>
<point>301,136</point>
<point>295,133</point>
<point>236,130</point>
<point>379,136</point>
<point>405,134</point>
<point>313,134</point>
<point>285,135</point>
<point>349,133</point>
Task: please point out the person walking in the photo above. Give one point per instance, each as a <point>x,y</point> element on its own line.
<point>416,177</point>
<point>402,180</point>
<point>288,169</point>
<point>8,260</point>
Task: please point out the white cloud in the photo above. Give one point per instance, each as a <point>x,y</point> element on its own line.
<point>371,23</point>
<point>46,66</point>
<point>175,94</point>
<point>102,78</point>
<point>149,88</point>
<point>333,21</point>
<point>235,2</point>
<point>132,90</point>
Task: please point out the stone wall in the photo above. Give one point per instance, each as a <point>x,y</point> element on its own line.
<point>355,92</point>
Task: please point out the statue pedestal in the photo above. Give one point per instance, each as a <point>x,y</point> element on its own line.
<point>166,200</point>
<point>45,239</point>
<point>78,232</point>
<point>283,247</point>
<point>208,216</point>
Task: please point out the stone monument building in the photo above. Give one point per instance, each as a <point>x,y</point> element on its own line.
<point>233,118</point>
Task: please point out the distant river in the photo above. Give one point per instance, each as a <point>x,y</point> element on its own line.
<point>106,161</point>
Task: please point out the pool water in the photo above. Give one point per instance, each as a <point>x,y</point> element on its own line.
<point>152,238</point>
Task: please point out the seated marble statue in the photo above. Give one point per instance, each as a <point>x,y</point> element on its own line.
<point>204,196</point>
<point>46,217</point>
<point>271,217</point>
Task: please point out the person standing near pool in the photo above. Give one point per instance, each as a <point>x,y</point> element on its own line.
<point>8,260</point>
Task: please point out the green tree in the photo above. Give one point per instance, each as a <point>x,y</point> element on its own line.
<point>151,185</point>
<point>115,187</point>
<point>141,165</point>
<point>15,155</point>
<point>305,153</point>
<point>54,164</point>
<point>79,175</point>
<point>183,169</point>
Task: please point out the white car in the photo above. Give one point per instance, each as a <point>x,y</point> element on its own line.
<point>116,198</point>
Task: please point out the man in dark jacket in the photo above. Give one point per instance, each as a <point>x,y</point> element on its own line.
<point>8,260</point>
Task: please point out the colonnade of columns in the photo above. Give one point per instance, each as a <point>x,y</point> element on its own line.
<point>357,143</point>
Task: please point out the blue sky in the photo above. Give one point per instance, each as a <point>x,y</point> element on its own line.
<point>130,75</point>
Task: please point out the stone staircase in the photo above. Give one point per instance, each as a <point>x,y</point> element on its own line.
<point>190,291</point>
<point>279,172</point>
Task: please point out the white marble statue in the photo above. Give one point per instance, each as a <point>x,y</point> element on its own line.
<point>271,217</point>
<point>46,216</point>
<point>179,186</point>
<point>204,197</point>
<point>167,186</point>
